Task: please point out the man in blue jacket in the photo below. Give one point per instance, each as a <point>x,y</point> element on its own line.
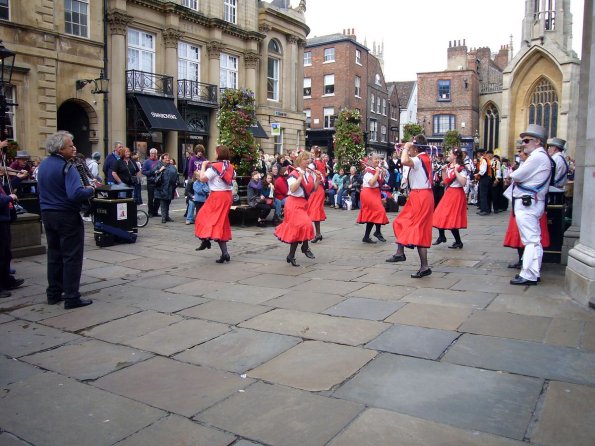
<point>61,193</point>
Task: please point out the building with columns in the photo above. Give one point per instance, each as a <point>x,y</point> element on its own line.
<point>166,61</point>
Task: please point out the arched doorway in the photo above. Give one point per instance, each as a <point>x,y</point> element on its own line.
<point>73,118</point>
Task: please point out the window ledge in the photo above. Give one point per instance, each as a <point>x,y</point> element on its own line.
<point>327,95</point>
<point>328,61</point>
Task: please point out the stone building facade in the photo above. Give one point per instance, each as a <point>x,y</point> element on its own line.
<point>166,62</point>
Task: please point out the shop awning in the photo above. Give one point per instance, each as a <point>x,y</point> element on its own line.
<point>257,130</point>
<point>161,113</point>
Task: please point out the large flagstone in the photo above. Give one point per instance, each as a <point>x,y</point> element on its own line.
<point>464,397</point>
<point>281,416</point>
<point>360,308</point>
<point>467,299</point>
<point>305,300</point>
<point>13,370</point>
<point>430,316</point>
<point>224,311</point>
<point>98,313</point>
<point>22,338</point>
<point>506,325</point>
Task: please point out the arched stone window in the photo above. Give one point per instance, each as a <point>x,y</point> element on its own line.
<point>491,126</point>
<point>543,108</point>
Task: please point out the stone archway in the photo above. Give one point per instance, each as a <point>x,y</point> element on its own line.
<point>80,119</point>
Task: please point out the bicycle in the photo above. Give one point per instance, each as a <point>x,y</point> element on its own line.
<point>142,218</point>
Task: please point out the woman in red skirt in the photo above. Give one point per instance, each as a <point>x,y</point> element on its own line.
<point>372,210</point>
<point>212,221</point>
<point>316,200</point>
<point>413,225</point>
<point>297,226</point>
<point>451,212</point>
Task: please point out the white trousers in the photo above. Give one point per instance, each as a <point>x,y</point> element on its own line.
<point>527,220</point>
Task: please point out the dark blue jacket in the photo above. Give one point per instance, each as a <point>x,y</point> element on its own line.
<point>60,186</point>
<point>5,201</point>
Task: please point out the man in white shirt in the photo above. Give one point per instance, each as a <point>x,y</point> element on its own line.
<point>93,165</point>
<point>555,148</point>
<point>529,192</point>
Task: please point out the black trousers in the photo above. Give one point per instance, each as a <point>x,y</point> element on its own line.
<point>65,235</point>
<point>5,255</point>
<point>263,210</point>
<point>485,194</point>
<point>153,203</point>
<point>498,198</point>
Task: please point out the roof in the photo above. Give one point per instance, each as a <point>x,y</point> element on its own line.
<point>333,38</point>
<point>404,91</point>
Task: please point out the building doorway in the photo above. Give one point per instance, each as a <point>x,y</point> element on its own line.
<point>73,118</point>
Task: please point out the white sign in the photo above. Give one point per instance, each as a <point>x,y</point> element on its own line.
<point>122,209</point>
<point>275,129</point>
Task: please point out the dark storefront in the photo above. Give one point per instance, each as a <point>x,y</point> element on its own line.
<point>322,138</point>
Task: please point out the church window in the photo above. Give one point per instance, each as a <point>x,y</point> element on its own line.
<point>491,127</point>
<point>543,109</point>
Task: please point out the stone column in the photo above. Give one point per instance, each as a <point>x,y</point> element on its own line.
<point>118,25</point>
<point>171,36</point>
<point>251,61</point>
<point>214,49</point>
<point>580,272</point>
<point>290,73</point>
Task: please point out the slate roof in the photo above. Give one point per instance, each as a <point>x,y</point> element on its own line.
<point>404,90</point>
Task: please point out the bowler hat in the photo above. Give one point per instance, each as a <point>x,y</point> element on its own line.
<point>556,142</point>
<point>536,131</point>
<point>96,156</point>
<point>22,154</point>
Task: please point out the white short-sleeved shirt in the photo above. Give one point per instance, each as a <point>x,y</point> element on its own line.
<point>418,179</point>
<point>215,181</point>
<point>456,182</point>
<point>299,193</point>
<point>366,180</point>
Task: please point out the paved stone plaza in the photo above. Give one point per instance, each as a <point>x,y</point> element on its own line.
<point>346,350</point>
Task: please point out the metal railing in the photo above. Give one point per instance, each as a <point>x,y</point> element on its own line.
<point>486,88</point>
<point>197,91</point>
<point>149,83</point>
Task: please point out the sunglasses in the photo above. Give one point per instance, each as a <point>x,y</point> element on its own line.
<point>527,140</point>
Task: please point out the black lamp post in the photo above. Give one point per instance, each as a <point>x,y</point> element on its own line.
<point>6,66</point>
<point>100,85</point>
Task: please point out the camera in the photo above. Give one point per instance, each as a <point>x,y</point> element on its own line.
<point>526,200</point>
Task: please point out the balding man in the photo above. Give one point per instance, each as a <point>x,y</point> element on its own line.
<point>149,171</point>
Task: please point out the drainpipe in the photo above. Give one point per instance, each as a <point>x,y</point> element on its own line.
<point>105,95</point>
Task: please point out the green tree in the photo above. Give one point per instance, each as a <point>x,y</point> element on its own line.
<point>410,130</point>
<point>452,138</point>
<point>349,139</point>
<point>236,115</point>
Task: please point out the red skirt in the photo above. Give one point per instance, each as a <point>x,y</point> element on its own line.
<point>316,204</point>
<point>296,226</point>
<point>512,239</point>
<point>413,225</point>
<point>212,220</point>
<point>371,207</point>
<point>451,212</point>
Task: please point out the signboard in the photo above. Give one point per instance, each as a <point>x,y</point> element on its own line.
<point>122,211</point>
<point>275,129</point>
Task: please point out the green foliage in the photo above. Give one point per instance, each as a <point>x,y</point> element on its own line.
<point>452,138</point>
<point>236,115</point>
<point>349,139</point>
<point>410,130</point>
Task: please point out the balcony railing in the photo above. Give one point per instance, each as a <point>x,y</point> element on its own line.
<point>487,88</point>
<point>197,91</point>
<point>149,83</point>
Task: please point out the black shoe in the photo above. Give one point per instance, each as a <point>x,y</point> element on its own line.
<point>517,265</point>
<point>518,280</point>
<point>378,235</point>
<point>439,240</point>
<point>483,213</point>
<point>76,303</point>
<point>4,293</point>
<point>261,223</point>
<point>308,253</point>
<point>395,258</point>
<point>15,283</point>
<point>420,273</point>
<point>206,244</point>
<point>163,219</point>
<point>169,219</point>
<point>317,239</point>
<point>496,211</point>
<point>224,258</point>
<point>456,245</point>
<point>368,240</point>
<point>55,300</point>
<point>292,261</point>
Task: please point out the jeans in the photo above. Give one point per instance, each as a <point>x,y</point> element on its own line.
<point>65,235</point>
<point>331,196</point>
<point>190,211</point>
<point>279,204</point>
<point>340,197</point>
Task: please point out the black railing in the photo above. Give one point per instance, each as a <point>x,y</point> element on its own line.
<point>197,91</point>
<point>149,83</point>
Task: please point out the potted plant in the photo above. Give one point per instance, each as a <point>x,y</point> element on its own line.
<point>349,139</point>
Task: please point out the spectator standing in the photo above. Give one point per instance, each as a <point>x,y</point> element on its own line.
<point>149,171</point>
<point>164,191</point>
<point>196,160</point>
<point>93,166</point>
<point>110,162</point>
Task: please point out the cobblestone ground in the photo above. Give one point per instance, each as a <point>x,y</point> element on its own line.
<point>344,350</point>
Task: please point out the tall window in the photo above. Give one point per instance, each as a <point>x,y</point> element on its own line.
<point>377,79</point>
<point>141,51</point>
<point>273,70</point>
<point>383,133</point>
<point>372,103</point>
<point>228,71</point>
<point>192,4</point>
<point>378,105</point>
<point>491,127</point>
<point>278,143</point>
<point>373,130</point>
<point>308,114</point>
<point>443,123</point>
<point>444,90</point>
<point>329,55</point>
<point>307,58</point>
<point>230,10</point>
<point>384,107</point>
<point>4,10</point>
<point>358,57</point>
<point>543,109</point>
<point>188,62</point>
<point>329,118</point>
<point>307,87</point>
<point>329,84</point>
<point>76,17</point>
<point>358,86</point>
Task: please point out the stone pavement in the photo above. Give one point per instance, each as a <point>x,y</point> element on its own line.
<point>345,350</point>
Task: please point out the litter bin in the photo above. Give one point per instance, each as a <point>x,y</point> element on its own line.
<point>555,226</point>
<point>115,215</point>
<point>28,194</point>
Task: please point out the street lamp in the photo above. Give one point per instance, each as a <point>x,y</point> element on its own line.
<point>6,67</point>
<point>476,141</point>
<point>100,85</point>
